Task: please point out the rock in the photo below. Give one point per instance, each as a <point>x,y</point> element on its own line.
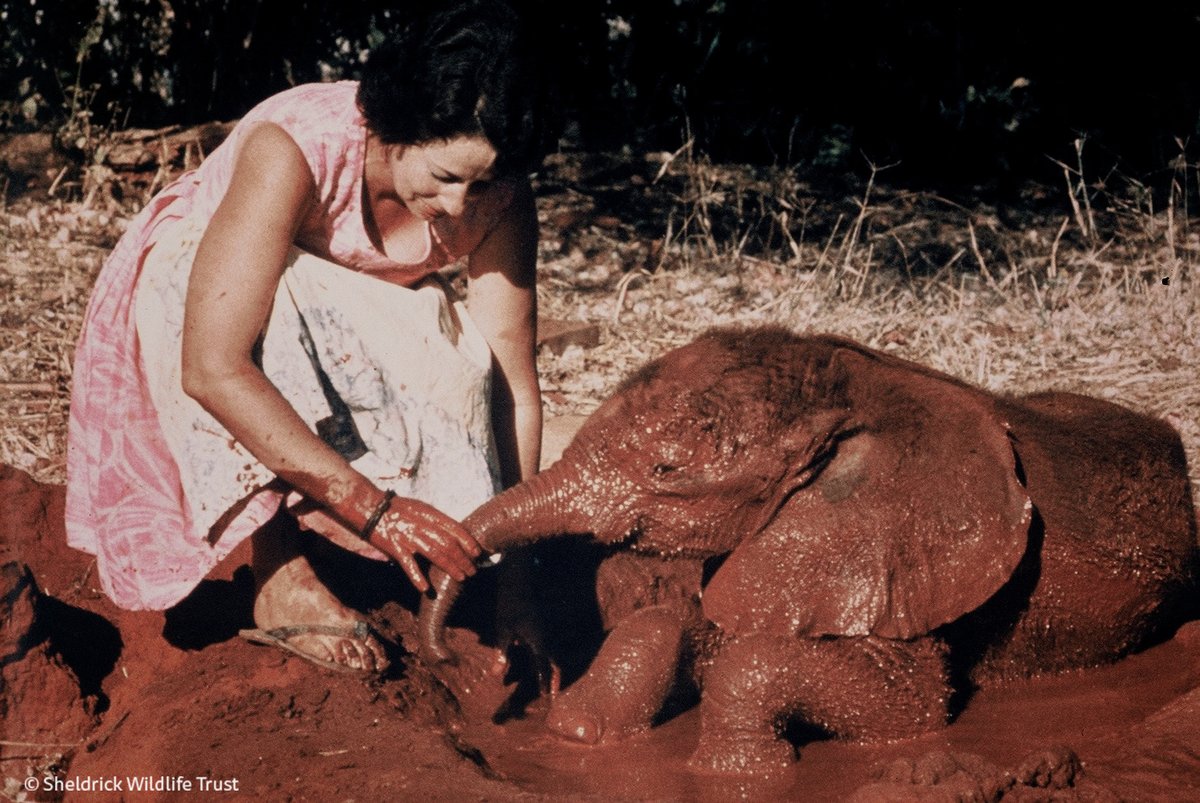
<point>30,161</point>
<point>1054,768</point>
<point>557,335</point>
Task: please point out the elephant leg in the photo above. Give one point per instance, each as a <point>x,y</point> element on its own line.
<point>861,688</point>
<point>628,681</point>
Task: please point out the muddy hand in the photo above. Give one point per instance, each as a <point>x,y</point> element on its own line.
<point>411,527</point>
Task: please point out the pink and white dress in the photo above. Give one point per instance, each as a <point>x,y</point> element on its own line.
<point>156,488</point>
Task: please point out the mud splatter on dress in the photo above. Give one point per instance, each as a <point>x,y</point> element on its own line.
<point>156,488</point>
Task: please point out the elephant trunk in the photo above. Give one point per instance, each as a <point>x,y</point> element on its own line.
<point>543,506</point>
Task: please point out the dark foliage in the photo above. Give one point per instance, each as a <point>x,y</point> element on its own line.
<point>954,91</point>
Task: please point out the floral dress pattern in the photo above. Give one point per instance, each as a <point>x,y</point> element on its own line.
<point>156,488</point>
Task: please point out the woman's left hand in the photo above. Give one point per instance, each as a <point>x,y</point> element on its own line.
<point>411,527</point>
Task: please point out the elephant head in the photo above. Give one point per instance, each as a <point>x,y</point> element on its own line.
<point>854,493</point>
<point>688,455</point>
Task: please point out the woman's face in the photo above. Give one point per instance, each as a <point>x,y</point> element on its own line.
<point>441,178</point>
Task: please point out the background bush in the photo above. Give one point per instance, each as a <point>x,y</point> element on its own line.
<point>956,92</point>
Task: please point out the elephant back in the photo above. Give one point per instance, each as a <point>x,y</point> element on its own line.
<point>1114,515</point>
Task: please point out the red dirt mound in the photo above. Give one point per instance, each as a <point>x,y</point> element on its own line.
<point>43,702</point>
<point>117,701</point>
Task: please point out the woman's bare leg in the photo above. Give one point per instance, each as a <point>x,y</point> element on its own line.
<point>288,592</point>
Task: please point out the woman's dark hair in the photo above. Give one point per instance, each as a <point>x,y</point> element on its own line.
<point>462,68</point>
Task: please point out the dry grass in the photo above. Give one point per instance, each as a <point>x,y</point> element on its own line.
<point>49,256</point>
<point>1011,308</point>
<point>655,251</point>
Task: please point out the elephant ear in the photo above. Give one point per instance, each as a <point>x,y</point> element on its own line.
<point>919,516</point>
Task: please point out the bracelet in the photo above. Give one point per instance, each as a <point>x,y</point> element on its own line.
<point>376,515</point>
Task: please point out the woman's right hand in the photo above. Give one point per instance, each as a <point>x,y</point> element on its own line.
<point>411,527</point>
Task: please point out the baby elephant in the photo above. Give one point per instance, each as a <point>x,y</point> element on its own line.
<point>866,540</point>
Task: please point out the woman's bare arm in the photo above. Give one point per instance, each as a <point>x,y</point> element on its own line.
<point>503,303</point>
<point>237,269</point>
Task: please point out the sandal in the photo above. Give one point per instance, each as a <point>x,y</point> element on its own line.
<point>280,637</point>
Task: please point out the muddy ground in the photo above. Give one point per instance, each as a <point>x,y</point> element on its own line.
<point>98,695</point>
<point>637,255</point>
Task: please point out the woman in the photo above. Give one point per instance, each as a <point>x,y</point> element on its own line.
<point>286,288</point>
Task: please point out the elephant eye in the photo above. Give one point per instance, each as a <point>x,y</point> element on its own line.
<point>663,469</point>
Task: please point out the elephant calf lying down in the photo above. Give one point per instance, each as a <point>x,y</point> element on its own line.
<point>871,529</point>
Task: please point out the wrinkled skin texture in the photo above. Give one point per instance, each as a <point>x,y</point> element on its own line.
<point>880,537</point>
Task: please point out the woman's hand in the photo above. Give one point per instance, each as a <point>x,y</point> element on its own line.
<point>410,527</point>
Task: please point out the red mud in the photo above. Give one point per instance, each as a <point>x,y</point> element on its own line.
<point>96,693</point>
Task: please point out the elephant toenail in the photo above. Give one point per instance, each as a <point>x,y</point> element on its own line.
<point>578,728</point>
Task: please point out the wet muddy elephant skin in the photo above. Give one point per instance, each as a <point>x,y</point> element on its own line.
<point>879,535</point>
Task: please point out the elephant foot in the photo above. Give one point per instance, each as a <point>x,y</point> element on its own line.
<point>627,683</point>
<point>750,686</point>
<point>759,754</point>
<point>858,688</point>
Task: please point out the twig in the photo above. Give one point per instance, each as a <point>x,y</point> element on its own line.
<point>782,217</point>
<point>1075,208</point>
<point>863,205</point>
<point>829,243</point>
<point>1037,293</point>
<point>1087,202</point>
<point>856,228</point>
<point>950,262</point>
<point>861,281</point>
<point>666,165</point>
<point>57,179</point>
<point>26,387</point>
<point>1171,219</point>
<point>666,243</point>
<point>623,288</point>
<point>1053,270</point>
<point>77,586</point>
<point>979,256</point>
